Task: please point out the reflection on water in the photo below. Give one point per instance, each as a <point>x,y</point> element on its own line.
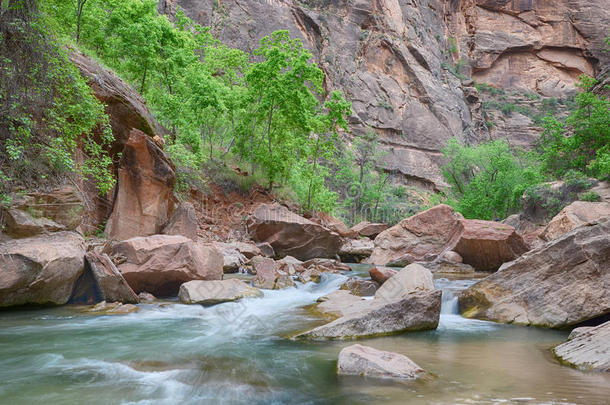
<point>170,353</point>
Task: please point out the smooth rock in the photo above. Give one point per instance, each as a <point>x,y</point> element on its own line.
<point>146,297</point>
<point>562,283</point>
<point>109,281</point>
<point>589,350</point>
<point>573,216</point>
<point>356,250</point>
<point>413,278</point>
<point>215,291</point>
<point>369,229</point>
<point>369,362</point>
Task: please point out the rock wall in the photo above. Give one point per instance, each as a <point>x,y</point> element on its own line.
<point>405,65</point>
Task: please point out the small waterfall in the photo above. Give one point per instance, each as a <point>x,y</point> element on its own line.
<point>449,303</point>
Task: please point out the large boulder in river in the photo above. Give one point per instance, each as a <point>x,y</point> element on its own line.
<point>573,216</point>
<point>562,283</point>
<point>216,291</point>
<point>413,278</point>
<point>369,229</point>
<point>366,361</point>
<point>589,350</point>
<point>378,317</point>
<point>144,201</point>
<point>485,245</point>
<point>159,264</point>
<point>291,234</point>
<point>421,237</point>
<point>40,270</point>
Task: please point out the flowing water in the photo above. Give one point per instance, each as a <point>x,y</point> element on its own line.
<point>236,353</point>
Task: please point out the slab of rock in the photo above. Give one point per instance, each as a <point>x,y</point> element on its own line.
<point>159,264</point>
<point>183,222</point>
<point>573,216</point>
<point>421,237</point>
<point>588,350</point>
<point>291,234</point>
<point>216,291</point>
<point>562,283</point>
<point>381,274</point>
<point>485,245</point>
<point>356,250</point>
<point>269,275</point>
<point>360,287</point>
<point>144,201</point>
<point>109,281</point>
<point>413,278</point>
<point>40,270</point>
<point>378,317</point>
<point>369,229</point>
<point>369,362</point>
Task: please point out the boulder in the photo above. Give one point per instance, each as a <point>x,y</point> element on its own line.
<point>109,281</point>
<point>339,303</point>
<point>413,278</point>
<point>378,317</point>
<point>159,264</point>
<point>20,224</point>
<point>146,297</point>
<point>422,237</point>
<point>144,200</point>
<point>291,234</point>
<point>269,275</point>
<point>40,270</point>
<point>216,291</point>
<point>356,250</point>
<point>381,274</point>
<point>485,245</point>
<point>573,216</point>
<point>369,229</point>
<point>249,250</point>
<point>310,275</point>
<point>369,362</point>
<point>183,222</point>
<point>451,257</point>
<point>589,350</point>
<point>232,258</point>
<point>266,249</point>
<point>334,224</point>
<point>291,265</point>
<point>360,287</point>
<point>560,284</point>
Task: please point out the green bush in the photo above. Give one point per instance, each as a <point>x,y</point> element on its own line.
<point>590,196</point>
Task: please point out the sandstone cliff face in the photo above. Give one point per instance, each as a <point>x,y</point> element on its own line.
<point>397,62</point>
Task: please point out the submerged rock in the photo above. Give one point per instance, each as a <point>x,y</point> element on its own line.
<point>562,283</point>
<point>159,264</point>
<point>588,350</point>
<point>216,291</point>
<point>40,270</point>
<point>369,362</point>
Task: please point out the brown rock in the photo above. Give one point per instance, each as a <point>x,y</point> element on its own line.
<point>381,274</point>
<point>269,275</point>
<point>40,270</point>
<point>183,222</point>
<point>360,287</point>
<point>109,281</point>
<point>215,291</point>
<point>485,245</point>
<point>369,229</point>
<point>562,283</point>
<point>413,278</point>
<point>327,265</point>
<point>421,237</point>
<point>333,224</point>
<point>266,249</point>
<point>232,258</point>
<point>573,216</point>
<point>368,362</point>
<point>159,264</point>
<point>146,297</point>
<point>20,224</point>
<point>356,250</point>
<point>144,199</point>
<point>451,257</point>
<point>291,234</point>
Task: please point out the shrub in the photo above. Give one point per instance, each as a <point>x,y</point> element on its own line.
<point>590,196</point>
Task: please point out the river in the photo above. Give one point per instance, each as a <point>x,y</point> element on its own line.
<point>238,353</point>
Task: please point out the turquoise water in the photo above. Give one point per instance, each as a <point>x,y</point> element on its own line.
<point>238,353</point>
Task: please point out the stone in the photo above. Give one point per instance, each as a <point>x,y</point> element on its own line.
<point>291,234</point>
<point>485,245</point>
<point>216,291</point>
<point>589,350</point>
<point>309,275</point>
<point>560,284</point>
<point>113,308</point>
<point>369,362</point>
<point>249,250</point>
<point>40,270</point>
<point>144,201</point>
<point>339,303</point>
<point>266,249</point>
<point>573,216</point>
<point>108,280</point>
<point>159,264</point>
<point>422,237</point>
<point>444,266</point>
<point>268,274</point>
<point>576,332</point>
<point>381,274</point>
<point>146,297</point>
<point>451,256</point>
<point>360,287</point>
<point>334,224</point>
<point>369,229</point>
<point>413,278</point>
<point>356,250</point>
<point>233,260</point>
<point>183,222</point>
<point>20,224</point>
<point>378,317</point>
<point>291,265</point>
<point>327,265</point>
